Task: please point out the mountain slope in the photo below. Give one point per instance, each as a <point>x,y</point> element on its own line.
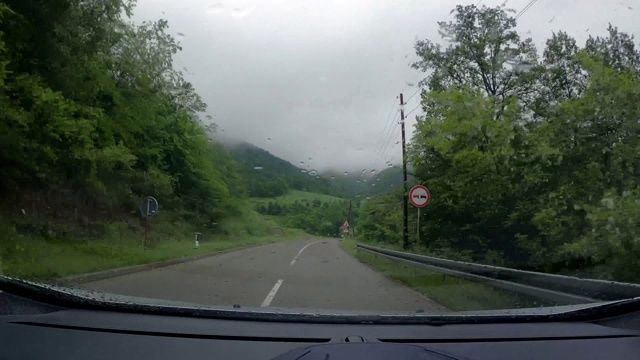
<point>267,175</point>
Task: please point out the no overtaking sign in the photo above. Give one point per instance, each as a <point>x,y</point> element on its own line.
<point>419,196</point>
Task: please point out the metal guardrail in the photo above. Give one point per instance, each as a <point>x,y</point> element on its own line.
<point>557,288</point>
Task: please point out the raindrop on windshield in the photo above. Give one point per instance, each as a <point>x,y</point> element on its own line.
<point>313,172</point>
<point>301,162</point>
<point>258,168</point>
<point>269,139</point>
<point>310,159</point>
<point>346,173</point>
<point>180,34</point>
<point>333,177</point>
<point>365,180</point>
<point>368,197</point>
<point>364,170</point>
<point>390,165</point>
<point>373,171</point>
<point>358,181</point>
<point>304,171</point>
<point>373,184</point>
<point>357,196</point>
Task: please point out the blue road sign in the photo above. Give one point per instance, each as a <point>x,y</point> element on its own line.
<point>149,206</point>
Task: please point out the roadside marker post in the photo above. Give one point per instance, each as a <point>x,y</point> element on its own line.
<point>198,240</point>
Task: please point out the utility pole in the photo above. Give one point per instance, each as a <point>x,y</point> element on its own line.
<point>405,205</point>
<point>349,218</point>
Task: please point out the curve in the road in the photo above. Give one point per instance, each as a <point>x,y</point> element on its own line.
<point>324,277</point>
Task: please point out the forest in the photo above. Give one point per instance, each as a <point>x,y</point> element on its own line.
<point>316,217</point>
<point>532,158</point>
<point>95,117</point>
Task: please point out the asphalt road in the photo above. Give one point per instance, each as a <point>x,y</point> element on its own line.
<point>310,274</point>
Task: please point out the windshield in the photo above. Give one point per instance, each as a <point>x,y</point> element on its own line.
<point>428,157</point>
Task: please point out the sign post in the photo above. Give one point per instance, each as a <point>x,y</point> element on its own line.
<point>344,229</point>
<point>419,197</point>
<point>148,208</point>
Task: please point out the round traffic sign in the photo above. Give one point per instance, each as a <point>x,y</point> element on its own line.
<point>419,196</point>
<point>149,206</point>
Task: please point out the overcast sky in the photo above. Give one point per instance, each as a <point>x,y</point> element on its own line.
<point>320,77</point>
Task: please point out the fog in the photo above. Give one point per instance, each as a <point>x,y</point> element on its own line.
<point>320,78</point>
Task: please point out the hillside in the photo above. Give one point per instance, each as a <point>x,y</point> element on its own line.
<point>300,196</point>
<point>364,183</point>
<point>266,175</point>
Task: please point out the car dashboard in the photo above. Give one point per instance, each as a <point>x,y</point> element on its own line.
<point>51,328</point>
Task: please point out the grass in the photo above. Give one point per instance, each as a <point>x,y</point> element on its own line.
<point>453,293</point>
<point>36,257</point>
<point>296,195</point>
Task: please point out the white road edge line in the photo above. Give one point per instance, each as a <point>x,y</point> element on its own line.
<point>267,301</point>
<point>300,253</point>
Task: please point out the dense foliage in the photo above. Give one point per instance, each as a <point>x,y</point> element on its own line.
<point>91,102</point>
<point>315,217</point>
<point>532,161</point>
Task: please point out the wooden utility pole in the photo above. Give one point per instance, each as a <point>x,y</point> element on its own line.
<point>405,205</point>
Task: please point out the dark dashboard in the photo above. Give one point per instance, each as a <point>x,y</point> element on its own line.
<point>54,327</point>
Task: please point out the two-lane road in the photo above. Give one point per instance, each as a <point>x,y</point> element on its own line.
<point>314,274</point>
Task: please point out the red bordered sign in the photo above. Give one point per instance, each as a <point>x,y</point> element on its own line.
<point>419,196</point>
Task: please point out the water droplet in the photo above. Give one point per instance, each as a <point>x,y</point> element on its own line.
<point>258,168</point>
<point>303,170</point>
<point>301,162</point>
<point>365,180</point>
<point>373,184</point>
<point>333,177</point>
<point>238,13</point>
<point>215,9</point>
<point>358,181</point>
<point>346,173</point>
<point>269,139</point>
<point>358,195</point>
<point>364,170</point>
<point>313,172</point>
<point>180,34</point>
<point>397,142</point>
<point>373,171</point>
<point>310,159</point>
<point>368,197</point>
<point>390,165</point>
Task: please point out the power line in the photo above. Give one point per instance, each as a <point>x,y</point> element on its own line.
<point>385,141</point>
<point>385,130</point>
<point>385,151</point>
<point>388,140</point>
<point>527,7</point>
<point>412,95</point>
<point>412,110</point>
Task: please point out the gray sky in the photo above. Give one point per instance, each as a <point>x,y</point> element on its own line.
<point>319,77</point>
